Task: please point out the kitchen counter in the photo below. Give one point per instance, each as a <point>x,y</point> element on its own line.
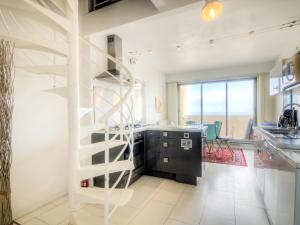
<point>199,128</point>
<point>179,128</point>
<point>288,148</point>
<point>162,151</point>
<point>277,169</point>
<point>175,153</point>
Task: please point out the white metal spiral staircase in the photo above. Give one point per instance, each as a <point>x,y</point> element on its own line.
<point>76,71</point>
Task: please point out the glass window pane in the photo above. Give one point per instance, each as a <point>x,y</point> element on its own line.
<point>241,105</point>
<point>190,104</point>
<point>214,104</point>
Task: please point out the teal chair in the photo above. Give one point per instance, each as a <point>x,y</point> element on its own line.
<point>222,140</point>
<point>218,128</point>
<point>190,122</point>
<point>211,136</point>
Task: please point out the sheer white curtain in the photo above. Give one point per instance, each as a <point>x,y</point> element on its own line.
<point>172,99</point>
<point>265,102</point>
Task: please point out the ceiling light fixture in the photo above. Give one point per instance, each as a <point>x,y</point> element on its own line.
<point>251,32</point>
<point>132,52</point>
<point>211,10</point>
<point>150,51</point>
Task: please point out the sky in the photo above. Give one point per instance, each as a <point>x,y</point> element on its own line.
<point>240,98</point>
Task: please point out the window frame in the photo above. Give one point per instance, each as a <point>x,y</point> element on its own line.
<point>254,79</point>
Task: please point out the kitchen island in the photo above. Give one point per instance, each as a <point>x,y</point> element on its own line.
<point>175,153</point>
<point>168,152</point>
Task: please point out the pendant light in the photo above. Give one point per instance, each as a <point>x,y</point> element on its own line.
<point>211,10</point>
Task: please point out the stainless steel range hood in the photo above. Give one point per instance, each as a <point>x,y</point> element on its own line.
<point>114,48</point>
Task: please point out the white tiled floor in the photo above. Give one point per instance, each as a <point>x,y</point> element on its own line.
<point>227,195</point>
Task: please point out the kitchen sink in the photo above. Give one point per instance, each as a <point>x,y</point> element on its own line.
<point>284,133</point>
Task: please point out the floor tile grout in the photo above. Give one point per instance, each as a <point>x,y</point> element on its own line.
<point>221,183</point>
<point>182,191</point>
<point>144,204</point>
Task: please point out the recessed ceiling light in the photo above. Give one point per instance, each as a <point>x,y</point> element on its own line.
<point>132,52</point>
<point>211,10</point>
<point>150,51</point>
<point>178,47</point>
<point>251,32</point>
<point>211,41</point>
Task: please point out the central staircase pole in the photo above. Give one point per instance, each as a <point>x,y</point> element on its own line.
<point>73,111</point>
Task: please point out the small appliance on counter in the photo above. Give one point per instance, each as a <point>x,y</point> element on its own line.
<point>289,118</point>
<point>291,71</point>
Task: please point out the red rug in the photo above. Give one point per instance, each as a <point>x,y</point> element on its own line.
<point>225,157</point>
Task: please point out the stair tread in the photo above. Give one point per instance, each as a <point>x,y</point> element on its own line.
<point>91,149</point>
<point>59,70</point>
<point>36,44</point>
<point>83,111</point>
<point>60,91</point>
<point>87,130</point>
<point>97,195</point>
<point>90,171</point>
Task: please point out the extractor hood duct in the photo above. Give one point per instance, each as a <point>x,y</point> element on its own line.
<point>114,48</point>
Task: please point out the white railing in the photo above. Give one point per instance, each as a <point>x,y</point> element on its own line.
<point>121,108</point>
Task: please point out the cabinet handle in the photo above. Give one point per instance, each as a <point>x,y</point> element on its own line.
<point>186,135</point>
<point>138,142</point>
<point>165,144</point>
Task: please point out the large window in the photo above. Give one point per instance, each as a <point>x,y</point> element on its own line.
<point>241,107</point>
<point>214,104</point>
<point>232,102</point>
<point>190,103</point>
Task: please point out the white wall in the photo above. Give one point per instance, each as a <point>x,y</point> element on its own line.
<point>39,142</point>
<point>221,73</point>
<point>155,85</point>
<point>291,48</point>
<point>124,12</point>
<point>39,135</point>
<point>154,81</point>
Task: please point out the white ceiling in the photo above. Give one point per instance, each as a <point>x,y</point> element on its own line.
<point>232,46</point>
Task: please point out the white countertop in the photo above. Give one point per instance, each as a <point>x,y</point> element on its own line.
<point>289,148</point>
<point>198,128</point>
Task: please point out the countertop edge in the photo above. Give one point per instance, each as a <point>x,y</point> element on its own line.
<point>169,129</point>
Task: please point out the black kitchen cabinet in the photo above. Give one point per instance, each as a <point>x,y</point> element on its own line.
<point>169,154</point>
<point>152,150</point>
<point>138,160</point>
<point>174,154</point>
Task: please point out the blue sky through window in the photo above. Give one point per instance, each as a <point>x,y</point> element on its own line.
<point>240,98</point>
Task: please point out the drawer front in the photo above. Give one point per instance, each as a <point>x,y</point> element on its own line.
<point>168,148</point>
<point>169,144</point>
<point>179,134</point>
<point>151,133</point>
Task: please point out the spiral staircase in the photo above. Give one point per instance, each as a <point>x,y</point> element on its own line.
<point>93,105</point>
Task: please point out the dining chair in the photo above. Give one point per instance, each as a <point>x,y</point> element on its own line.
<point>223,140</point>
<point>211,136</point>
<point>189,122</point>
